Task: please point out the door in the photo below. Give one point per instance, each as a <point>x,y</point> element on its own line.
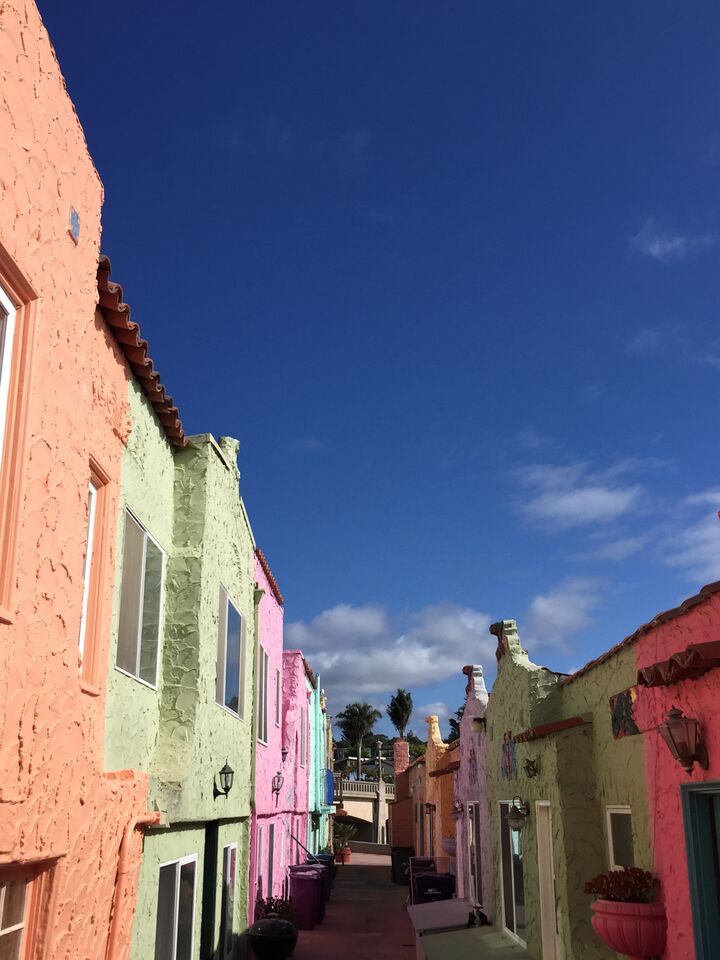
<point>474,862</point>
<point>513,877</point>
<point>701,815</point>
<point>546,881</point>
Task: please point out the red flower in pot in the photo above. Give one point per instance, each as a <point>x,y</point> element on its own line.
<point>627,917</point>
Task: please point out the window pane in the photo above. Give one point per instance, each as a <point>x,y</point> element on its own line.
<point>507,869</point>
<point>5,344</point>
<point>519,880</point>
<point>89,543</point>
<point>185,912</point>
<point>151,612</point>
<point>3,330</point>
<point>271,857</point>
<point>13,903</point>
<point>232,659</point>
<point>165,923</point>
<point>129,625</point>
<point>278,697</point>
<point>228,899</point>
<point>10,944</point>
<point>222,636</point>
<point>622,841</point>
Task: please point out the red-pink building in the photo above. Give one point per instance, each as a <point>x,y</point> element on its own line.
<point>68,841</point>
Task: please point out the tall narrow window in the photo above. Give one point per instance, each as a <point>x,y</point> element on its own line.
<point>303,736</point>
<point>7,334</point>
<point>278,697</point>
<point>271,858</point>
<point>262,695</point>
<point>13,912</point>
<point>227,909</point>
<point>87,565</point>
<point>175,910</point>
<point>260,863</point>
<point>513,880</point>
<point>620,837</point>
<point>140,603</point>
<point>229,685</point>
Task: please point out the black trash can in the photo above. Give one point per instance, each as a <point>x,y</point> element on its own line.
<point>400,860</point>
<point>430,887</point>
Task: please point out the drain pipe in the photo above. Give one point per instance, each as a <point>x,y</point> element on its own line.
<point>142,820</point>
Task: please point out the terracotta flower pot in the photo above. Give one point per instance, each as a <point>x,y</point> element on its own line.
<point>635,929</point>
<point>342,856</point>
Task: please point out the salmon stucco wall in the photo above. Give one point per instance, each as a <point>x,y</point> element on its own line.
<point>697,698</point>
<point>57,807</point>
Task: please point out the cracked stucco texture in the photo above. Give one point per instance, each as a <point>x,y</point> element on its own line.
<point>57,806</point>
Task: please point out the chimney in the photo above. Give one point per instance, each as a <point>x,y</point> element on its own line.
<point>401,756</point>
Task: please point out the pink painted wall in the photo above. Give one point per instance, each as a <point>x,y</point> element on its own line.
<point>698,699</point>
<point>288,813</point>
<point>57,806</point>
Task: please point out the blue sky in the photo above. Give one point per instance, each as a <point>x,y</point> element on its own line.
<point>450,273</point>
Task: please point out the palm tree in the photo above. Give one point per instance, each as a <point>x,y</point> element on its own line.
<point>356,722</point>
<point>400,710</point>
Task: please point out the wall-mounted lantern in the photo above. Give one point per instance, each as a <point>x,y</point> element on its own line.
<point>429,808</point>
<point>457,810</point>
<point>518,814</point>
<point>277,782</point>
<point>227,775</point>
<point>478,724</point>
<point>682,735</point>
<point>531,767</point>
<point>284,753</point>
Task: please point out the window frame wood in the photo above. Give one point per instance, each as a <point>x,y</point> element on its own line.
<point>623,809</point>
<point>179,863</point>
<point>221,661</point>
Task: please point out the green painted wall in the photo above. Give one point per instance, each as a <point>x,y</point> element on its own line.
<point>581,770</point>
<point>133,709</point>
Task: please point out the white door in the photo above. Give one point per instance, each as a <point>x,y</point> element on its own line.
<point>546,875</point>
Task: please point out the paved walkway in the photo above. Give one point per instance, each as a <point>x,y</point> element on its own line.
<point>365,919</point>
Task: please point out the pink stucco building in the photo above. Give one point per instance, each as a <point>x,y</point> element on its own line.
<point>69,849</point>
<point>280,816</point>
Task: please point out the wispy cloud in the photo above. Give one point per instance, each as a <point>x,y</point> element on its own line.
<point>620,549</point>
<point>307,445</point>
<point>667,246</point>
<point>594,390</point>
<point>553,618</point>
<point>437,709</point>
<point>692,541</point>
<point>363,650</point>
<point>573,495</point>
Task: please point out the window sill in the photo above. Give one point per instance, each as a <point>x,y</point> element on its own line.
<point>238,716</point>
<point>89,689</point>
<point>6,616</point>
<point>132,676</point>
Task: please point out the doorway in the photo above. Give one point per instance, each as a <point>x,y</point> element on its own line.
<point>474,861</point>
<point>701,815</point>
<point>546,880</point>
<point>513,878</point>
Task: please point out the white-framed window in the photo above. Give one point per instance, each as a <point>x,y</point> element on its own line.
<point>303,735</point>
<point>262,695</point>
<point>227,907</point>
<point>175,923</point>
<point>512,874</point>
<point>87,565</point>
<point>141,603</point>
<point>260,863</point>
<point>278,697</point>
<point>230,659</point>
<point>7,335</point>
<point>13,913</point>
<point>621,852</point>
<point>271,858</point>
<point>474,854</point>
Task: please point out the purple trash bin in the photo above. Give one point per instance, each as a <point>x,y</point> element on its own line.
<point>309,882</point>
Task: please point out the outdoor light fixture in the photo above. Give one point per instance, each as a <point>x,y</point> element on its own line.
<point>682,735</point>
<point>457,810</point>
<point>517,814</point>
<point>478,724</point>
<point>284,753</point>
<point>227,775</point>
<point>531,767</point>
<point>277,782</point>
<point>429,808</point>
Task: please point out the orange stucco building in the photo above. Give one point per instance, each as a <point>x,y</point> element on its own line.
<point>68,843</point>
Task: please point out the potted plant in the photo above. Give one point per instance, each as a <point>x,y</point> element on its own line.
<point>627,916</point>
<point>274,934</point>
<point>344,832</point>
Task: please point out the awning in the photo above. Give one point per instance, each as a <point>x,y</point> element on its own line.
<point>689,664</point>
<point>450,768</point>
<point>545,729</point>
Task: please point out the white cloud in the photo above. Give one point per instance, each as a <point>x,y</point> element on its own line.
<point>620,549</point>
<point>554,617</point>
<point>437,709</point>
<point>572,496</point>
<point>705,498</point>
<point>362,651</point>
<point>695,547</point>
<point>667,245</point>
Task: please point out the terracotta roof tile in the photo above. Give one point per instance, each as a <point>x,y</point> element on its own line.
<point>268,573</point>
<point>707,591</point>
<point>127,333</point>
<point>545,729</point>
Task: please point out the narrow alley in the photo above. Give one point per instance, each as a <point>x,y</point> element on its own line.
<point>365,918</point>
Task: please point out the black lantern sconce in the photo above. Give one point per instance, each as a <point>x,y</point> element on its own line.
<point>531,767</point>
<point>277,782</point>
<point>227,775</point>
<point>478,724</point>
<point>682,735</point>
<point>518,814</point>
<point>284,753</point>
<point>429,808</point>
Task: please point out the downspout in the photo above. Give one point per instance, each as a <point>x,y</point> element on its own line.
<point>142,820</point>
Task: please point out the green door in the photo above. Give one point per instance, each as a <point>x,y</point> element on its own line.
<point>701,813</point>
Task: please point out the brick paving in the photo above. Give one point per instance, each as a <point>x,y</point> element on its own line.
<point>365,919</point>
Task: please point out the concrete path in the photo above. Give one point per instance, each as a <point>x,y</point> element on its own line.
<point>365,919</point>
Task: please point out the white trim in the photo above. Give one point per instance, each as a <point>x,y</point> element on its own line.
<point>626,810</point>
<point>6,355</point>
<point>238,714</point>
<point>87,566</point>
<point>191,858</point>
<point>508,933</point>
<point>262,701</point>
<point>229,846</point>
<point>552,949</point>
<point>278,696</point>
